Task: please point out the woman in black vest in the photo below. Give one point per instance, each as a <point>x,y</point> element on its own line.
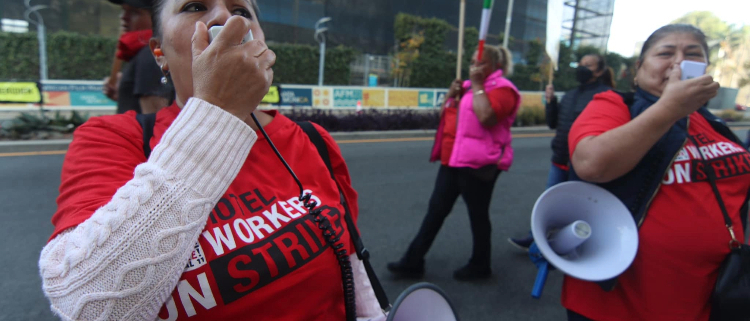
<point>656,154</point>
<point>594,77</point>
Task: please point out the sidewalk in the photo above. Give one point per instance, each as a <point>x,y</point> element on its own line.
<point>61,145</point>
<point>26,146</point>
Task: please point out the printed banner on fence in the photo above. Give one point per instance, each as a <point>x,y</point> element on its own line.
<point>373,98</point>
<point>440,98</point>
<point>302,97</point>
<point>88,94</point>
<point>403,98</point>
<point>346,98</point>
<point>79,94</point>
<point>533,99</point>
<point>427,98</point>
<point>273,96</point>
<point>322,97</point>
<point>19,92</point>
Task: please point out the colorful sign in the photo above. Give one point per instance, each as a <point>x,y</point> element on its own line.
<point>533,99</point>
<point>440,98</point>
<point>322,97</point>
<point>81,94</point>
<point>427,99</point>
<point>273,96</point>
<point>403,98</point>
<point>373,98</point>
<point>19,92</point>
<point>297,97</point>
<point>346,97</point>
<point>372,81</point>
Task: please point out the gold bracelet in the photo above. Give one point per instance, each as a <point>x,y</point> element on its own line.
<point>479,92</point>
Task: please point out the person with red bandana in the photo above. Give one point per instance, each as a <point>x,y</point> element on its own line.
<point>140,87</point>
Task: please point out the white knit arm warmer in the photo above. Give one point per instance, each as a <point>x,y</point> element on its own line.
<point>124,262</point>
<point>368,307</point>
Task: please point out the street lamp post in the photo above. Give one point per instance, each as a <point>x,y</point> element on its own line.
<point>320,36</point>
<point>508,20</point>
<point>39,22</point>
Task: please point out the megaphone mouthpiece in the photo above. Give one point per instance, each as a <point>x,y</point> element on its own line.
<point>567,239</point>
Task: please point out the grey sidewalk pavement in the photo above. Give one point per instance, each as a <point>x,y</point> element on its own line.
<point>61,145</point>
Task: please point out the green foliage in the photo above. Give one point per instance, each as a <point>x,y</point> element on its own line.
<point>69,56</point>
<point>26,125</point>
<point>74,56</point>
<point>730,115</point>
<point>298,64</point>
<point>530,116</point>
<point>435,67</point>
<point>707,21</point>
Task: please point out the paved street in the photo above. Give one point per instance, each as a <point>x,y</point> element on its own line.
<point>394,181</point>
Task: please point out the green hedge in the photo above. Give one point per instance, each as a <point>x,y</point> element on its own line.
<point>79,57</point>
<point>69,56</point>
<point>298,64</point>
<point>435,67</point>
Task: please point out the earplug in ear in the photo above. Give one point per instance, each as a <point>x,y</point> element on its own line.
<point>158,53</point>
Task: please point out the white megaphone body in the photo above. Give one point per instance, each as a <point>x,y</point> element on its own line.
<point>584,231</point>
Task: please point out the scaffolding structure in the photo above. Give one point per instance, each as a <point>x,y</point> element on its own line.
<point>588,22</point>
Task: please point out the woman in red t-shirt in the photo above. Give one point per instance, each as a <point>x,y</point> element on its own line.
<point>210,226</point>
<point>682,236</point>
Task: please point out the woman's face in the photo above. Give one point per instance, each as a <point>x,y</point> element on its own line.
<point>178,18</point>
<point>592,63</point>
<point>134,19</point>
<point>656,64</point>
<point>487,65</point>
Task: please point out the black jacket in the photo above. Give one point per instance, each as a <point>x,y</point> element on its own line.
<point>561,116</point>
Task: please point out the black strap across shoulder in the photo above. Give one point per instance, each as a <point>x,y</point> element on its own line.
<point>147,122</point>
<point>361,250</point>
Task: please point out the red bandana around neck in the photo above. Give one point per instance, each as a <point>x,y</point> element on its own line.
<point>132,42</point>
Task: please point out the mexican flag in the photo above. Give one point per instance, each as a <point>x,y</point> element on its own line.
<point>485,26</point>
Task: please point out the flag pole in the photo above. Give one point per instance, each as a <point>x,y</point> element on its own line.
<point>461,21</point>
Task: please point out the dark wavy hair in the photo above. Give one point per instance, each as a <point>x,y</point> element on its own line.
<point>608,77</point>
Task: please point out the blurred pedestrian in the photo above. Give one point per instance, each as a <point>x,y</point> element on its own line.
<point>593,76</point>
<point>142,85</point>
<point>473,145</point>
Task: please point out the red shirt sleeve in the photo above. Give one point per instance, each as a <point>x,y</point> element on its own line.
<point>340,171</point>
<point>503,102</point>
<point>605,112</point>
<point>100,160</point>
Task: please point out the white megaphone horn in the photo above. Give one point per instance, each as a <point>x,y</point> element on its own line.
<point>584,231</point>
<point>422,302</point>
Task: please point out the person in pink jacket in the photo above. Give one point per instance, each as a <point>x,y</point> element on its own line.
<point>473,145</point>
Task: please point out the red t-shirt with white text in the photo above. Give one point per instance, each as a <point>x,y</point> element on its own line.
<point>260,257</point>
<point>682,240</point>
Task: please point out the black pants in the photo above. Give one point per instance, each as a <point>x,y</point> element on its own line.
<point>476,188</point>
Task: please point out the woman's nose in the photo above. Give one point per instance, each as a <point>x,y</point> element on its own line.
<point>679,57</point>
<point>218,16</point>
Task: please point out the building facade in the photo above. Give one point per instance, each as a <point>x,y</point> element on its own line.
<point>368,25</point>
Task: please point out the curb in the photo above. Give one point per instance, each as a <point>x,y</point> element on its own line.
<point>28,146</point>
